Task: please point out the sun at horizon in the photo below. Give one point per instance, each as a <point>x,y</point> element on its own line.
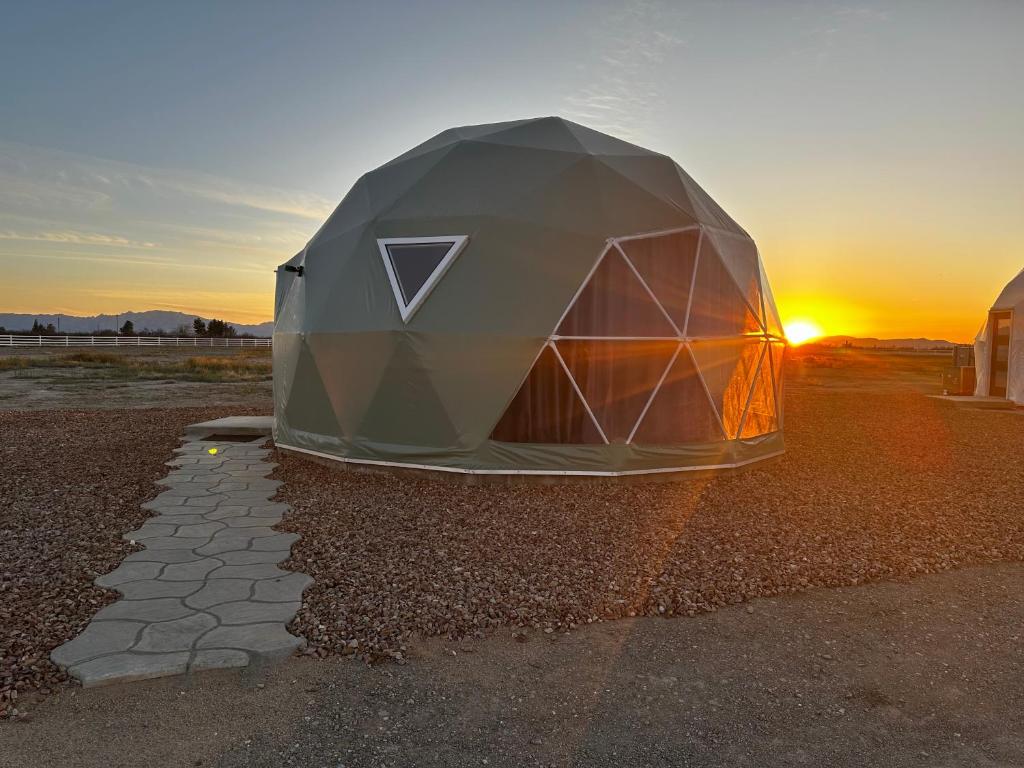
<point>801,331</point>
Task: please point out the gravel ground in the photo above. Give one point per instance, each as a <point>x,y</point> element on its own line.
<point>71,484</point>
<point>876,487</point>
<point>924,674</point>
<point>873,486</point>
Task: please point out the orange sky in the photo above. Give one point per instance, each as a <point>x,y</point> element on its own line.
<point>873,256</point>
<point>872,282</point>
<point>873,150</point>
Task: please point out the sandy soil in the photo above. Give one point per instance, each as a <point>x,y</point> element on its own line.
<point>860,370</point>
<point>46,388</point>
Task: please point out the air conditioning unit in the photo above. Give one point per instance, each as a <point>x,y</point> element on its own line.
<point>958,379</point>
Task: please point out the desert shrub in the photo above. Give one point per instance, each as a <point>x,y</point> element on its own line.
<point>240,363</point>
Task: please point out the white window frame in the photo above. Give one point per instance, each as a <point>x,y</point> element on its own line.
<point>763,338</point>
<point>407,310</point>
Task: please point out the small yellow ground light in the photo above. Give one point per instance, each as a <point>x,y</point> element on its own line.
<point>212,451</point>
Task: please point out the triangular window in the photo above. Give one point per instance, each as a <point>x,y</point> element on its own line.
<point>778,360</point>
<point>617,378</point>
<point>680,411</point>
<point>415,265</point>
<point>739,256</point>
<point>728,367</point>
<point>771,312</point>
<point>614,303</point>
<point>761,417</point>
<point>718,308</point>
<point>666,264</point>
<point>547,408</point>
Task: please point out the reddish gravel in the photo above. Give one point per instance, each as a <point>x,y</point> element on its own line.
<point>71,483</point>
<point>873,486</point>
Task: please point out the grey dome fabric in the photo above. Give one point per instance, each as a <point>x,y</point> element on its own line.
<point>529,297</point>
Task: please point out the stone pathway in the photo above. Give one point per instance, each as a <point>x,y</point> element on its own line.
<point>206,592</point>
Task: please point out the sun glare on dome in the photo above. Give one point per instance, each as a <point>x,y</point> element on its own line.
<point>801,331</point>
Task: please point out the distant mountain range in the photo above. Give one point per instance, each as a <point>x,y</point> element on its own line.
<point>853,341</point>
<point>154,320</point>
<point>158,320</point>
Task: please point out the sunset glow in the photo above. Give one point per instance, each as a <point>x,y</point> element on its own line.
<point>156,201</point>
<point>801,331</point>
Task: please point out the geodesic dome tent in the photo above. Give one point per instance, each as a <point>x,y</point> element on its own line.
<point>999,346</point>
<point>530,297</point>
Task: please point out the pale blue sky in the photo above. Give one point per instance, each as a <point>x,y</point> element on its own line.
<point>140,142</point>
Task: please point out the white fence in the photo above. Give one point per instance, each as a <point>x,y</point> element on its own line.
<point>129,341</point>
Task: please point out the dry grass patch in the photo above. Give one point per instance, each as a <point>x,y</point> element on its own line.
<point>235,367</point>
<point>91,357</point>
<point>245,366</point>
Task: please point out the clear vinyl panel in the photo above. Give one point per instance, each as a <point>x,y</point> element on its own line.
<point>666,264</point>
<point>617,378</point>
<point>680,411</point>
<point>773,324</point>
<point>778,361</point>
<point>659,347</point>
<point>739,255</point>
<point>718,308</point>
<point>615,303</point>
<point>728,367</point>
<point>546,409</point>
<point>761,416</point>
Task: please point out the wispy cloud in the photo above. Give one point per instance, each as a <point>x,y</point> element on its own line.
<point>105,230</point>
<point>303,205</point>
<point>622,92</point>
<point>34,177</point>
<point>139,260</point>
<point>77,257</point>
<point>75,238</point>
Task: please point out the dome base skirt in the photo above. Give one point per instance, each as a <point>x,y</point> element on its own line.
<point>650,474</point>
